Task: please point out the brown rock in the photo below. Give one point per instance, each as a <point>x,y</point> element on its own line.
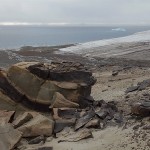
<point>94,123</point>
<point>84,120</point>
<point>13,94</point>
<point>64,71</point>
<point>115,72</point>
<point>65,113</point>
<point>9,137</point>
<point>5,116</point>
<point>77,136</point>
<point>60,101</point>
<point>39,125</point>
<point>37,140</point>
<point>102,113</point>
<point>36,85</point>
<point>32,146</point>
<point>62,123</point>
<point>21,119</point>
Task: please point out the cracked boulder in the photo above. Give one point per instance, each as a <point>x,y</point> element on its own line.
<point>39,86</point>
<point>39,125</point>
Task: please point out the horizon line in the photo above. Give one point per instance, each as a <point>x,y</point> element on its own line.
<point>68,24</point>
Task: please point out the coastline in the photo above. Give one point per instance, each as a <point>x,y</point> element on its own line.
<point>131,60</point>
<point>133,49</point>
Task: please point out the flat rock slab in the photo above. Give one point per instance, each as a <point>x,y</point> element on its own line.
<point>60,101</point>
<point>62,123</point>
<point>77,136</point>
<point>39,125</point>
<point>65,113</point>
<point>84,120</point>
<point>9,137</point>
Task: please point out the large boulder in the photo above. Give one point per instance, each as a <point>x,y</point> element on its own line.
<point>38,85</point>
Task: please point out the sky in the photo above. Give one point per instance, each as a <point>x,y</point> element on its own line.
<point>74,12</point>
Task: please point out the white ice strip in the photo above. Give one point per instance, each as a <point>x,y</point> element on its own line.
<point>90,46</point>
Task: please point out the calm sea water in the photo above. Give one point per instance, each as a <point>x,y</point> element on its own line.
<point>17,36</point>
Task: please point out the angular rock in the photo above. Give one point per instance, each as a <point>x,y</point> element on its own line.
<point>8,88</point>
<point>132,89</point>
<point>8,104</point>
<point>33,83</point>
<point>6,116</point>
<point>140,86</point>
<point>65,71</point>
<point>9,137</point>
<point>144,84</point>
<point>22,119</point>
<point>146,104</point>
<point>62,123</point>
<point>24,81</point>
<point>37,140</point>
<point>55,114</point>
<point>40,70</point>
<point>84,120</point>
<point>65,113</point>
<point>115,72</point>
<point>65,132</point>
<point>39,125</point>
<point>118,117</point>
<point>140,110</point>
<point>60,101</point>
<point>21,143</point>
<point>45,148</point>
<point>77,136</point>
<point>39,146</point>
<point>102,113</point>
<point>11,91</point>
<point>94,123</point>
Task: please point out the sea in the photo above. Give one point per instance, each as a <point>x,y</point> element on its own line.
<point>13,37</point>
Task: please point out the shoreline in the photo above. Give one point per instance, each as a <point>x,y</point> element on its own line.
<point>98,53</point>
<point>131,68</point>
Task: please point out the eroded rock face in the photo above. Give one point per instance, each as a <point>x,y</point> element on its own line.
<point>9,137</point>
<point>39,125</point>
<point>40,86</point>
<point>65,71</point>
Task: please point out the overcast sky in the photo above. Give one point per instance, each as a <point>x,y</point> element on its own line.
<point>76,11</point>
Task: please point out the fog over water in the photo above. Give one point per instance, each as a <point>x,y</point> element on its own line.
<point>74,11</point>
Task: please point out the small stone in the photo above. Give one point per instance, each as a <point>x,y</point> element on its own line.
<point>37,140</point>
<point>22,119</point>
<point>102,114</point>
<point>132,89</point>
<point>115,73</point>
<point>148,143</point>
<point>94,123</point>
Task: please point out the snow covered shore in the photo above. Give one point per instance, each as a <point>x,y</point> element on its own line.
<point>90,46</point>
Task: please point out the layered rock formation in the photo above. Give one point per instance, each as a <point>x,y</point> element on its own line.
<point>40,86</point>
<point>62,92</point>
